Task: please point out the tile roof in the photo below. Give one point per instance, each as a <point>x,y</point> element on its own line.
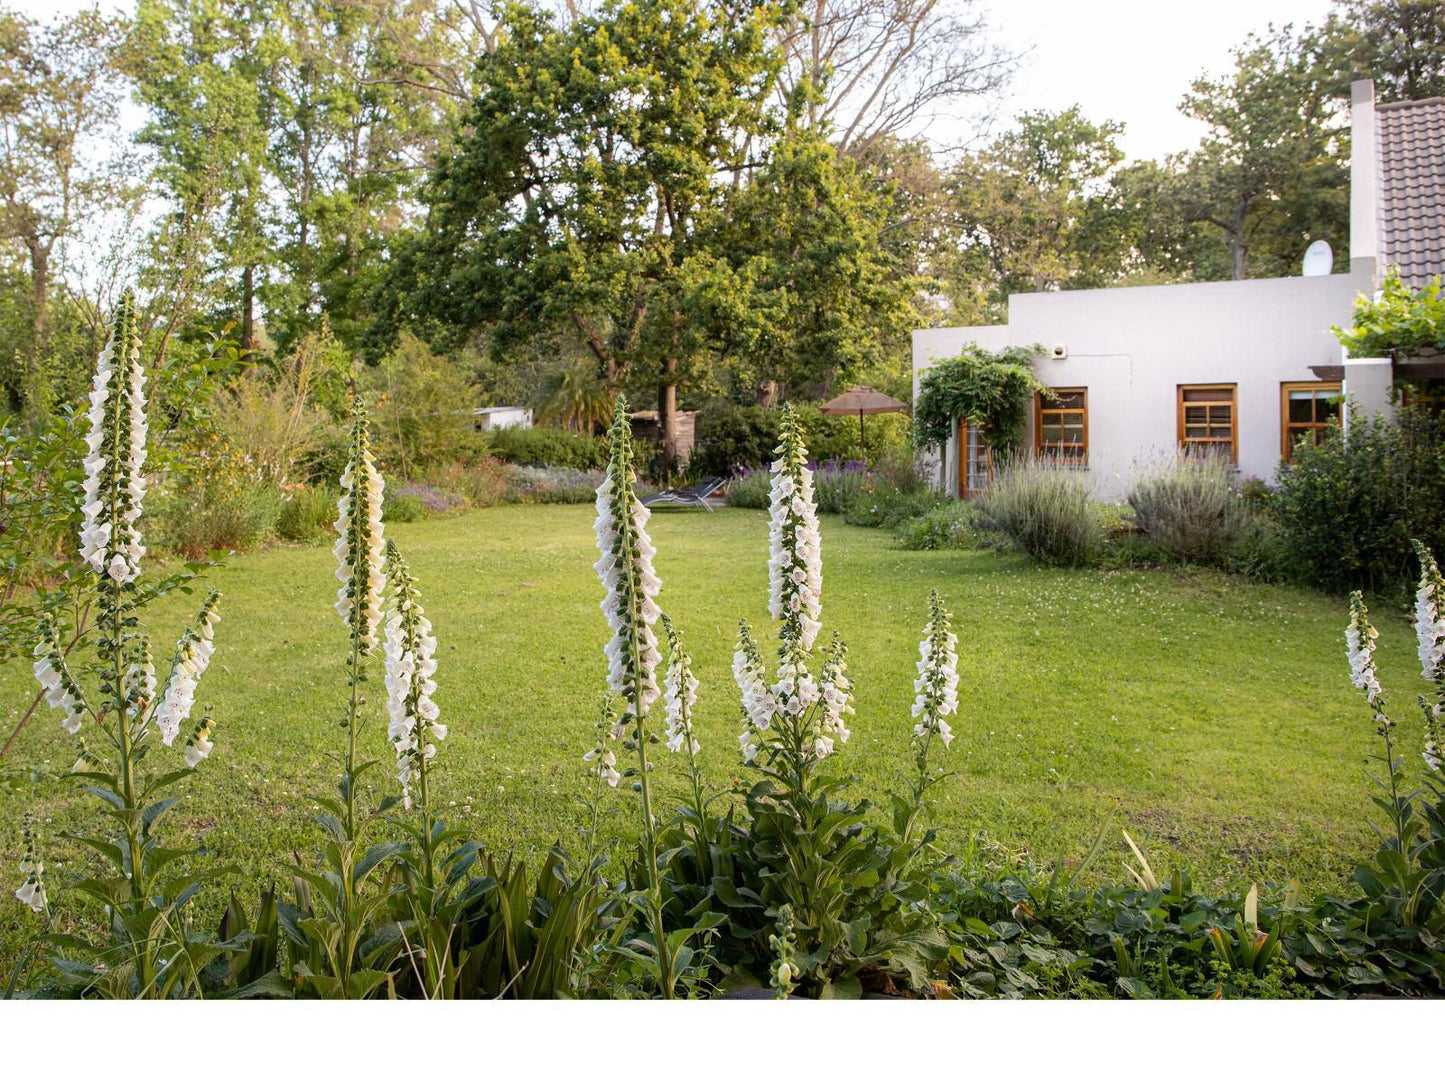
<point>1410,142</point>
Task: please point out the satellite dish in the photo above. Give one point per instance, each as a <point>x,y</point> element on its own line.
<point>1319,259</point>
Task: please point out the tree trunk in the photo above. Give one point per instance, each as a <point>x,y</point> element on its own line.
<point>248,304</point>
<point>667,414</point>
<point>39,300</point>
<point>1238,249</point>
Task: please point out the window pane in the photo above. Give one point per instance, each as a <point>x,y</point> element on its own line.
<point>1327,407</point>
<point>1301,406</point>
<point>1196,415</point>
<point>1196,432</point>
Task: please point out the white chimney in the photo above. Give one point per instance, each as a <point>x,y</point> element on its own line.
<point>1364,189</point>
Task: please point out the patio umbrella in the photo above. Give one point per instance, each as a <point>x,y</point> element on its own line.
<point>860,401</point>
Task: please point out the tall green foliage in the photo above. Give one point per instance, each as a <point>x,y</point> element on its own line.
<point>1349,506</point>
<point>1399,321</point>
<point>991,389</point>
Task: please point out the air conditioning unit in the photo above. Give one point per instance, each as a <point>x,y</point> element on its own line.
<point>1058,351</point>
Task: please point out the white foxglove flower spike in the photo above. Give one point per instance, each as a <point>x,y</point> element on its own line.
<point>1429,621</point>
<point>60,688</point>
<point>607,729</point>
<point>114,487</point>
<point>410,678</point>
<point>795,564</point>
<point>1360,637</point>
<point>32,892</point>
<point>1430,635</point>
<point>360,550</point>
<point>193,655</point>
<point>198,745</point>
<point>630,584</point>
<point>837,691</point>
<point>681,693</point>
<point>758,703</point>
<point>937,683</point>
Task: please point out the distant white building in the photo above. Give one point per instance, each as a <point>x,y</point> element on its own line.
<point>1245,368</point>
<point>502,417</point>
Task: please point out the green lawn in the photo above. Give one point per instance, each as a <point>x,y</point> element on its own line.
<point>1209,715</point>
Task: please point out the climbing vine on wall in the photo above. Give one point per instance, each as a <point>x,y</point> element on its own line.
<point>993,389</point>
<point>1400,322</point>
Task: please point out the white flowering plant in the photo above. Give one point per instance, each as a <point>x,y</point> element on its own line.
<point>935,700</point>
<point>851,896</point>
<point>1407,876</point>
<point>630,589</point>
<point>331,926</point>
<point>120,712</point>
<point>435,894</point>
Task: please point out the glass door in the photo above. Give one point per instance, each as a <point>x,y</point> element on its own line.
<point>975,461</point>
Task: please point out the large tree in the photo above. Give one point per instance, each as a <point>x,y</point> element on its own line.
<point>815,293</point>
<point>292,136</point>
<point>595,156</point>
<point>868,70</point>
<point>1270,174</point>
<point>204,71</point>
<point>59,96</point>
<point>1034,211</point>
<point>1400,44</point>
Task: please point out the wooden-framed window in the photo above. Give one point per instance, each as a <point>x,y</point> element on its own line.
<point>975,461</point>
<point>1307,411</point>
<point>1426,394</point>
<point>1209,419</point>
<point>1061,426</point>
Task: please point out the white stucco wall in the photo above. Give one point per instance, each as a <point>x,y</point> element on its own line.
<point>503,417</point>
<point>1132,347</point>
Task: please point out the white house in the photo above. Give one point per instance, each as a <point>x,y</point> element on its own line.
<point>500,417</point>
<point>1245,367</point>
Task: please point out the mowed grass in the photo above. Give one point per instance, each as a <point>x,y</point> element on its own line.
<point>1210,716</point>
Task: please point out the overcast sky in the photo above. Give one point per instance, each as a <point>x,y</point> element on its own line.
<point>1124,60</point>
<point>1131,60</point>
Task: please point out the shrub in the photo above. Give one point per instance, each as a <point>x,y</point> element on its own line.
<point>954,525</point>
<point>731,437</point>
<point>541,446</point>
<point>435,501</point>
<point>749,489</point>
<point>403,508</point>
<point>193,523</point>
<point>886,506</point>
<point>481,483</point>
<point>269,414</point>
<point>894,494</point>
<point>838,486</point>
<point>422,414</point>
<point>1188,507</point>
<point>307,513</point>
<point>1260,552</point>
<point>553,485</point>
<point>1044,510</point>
<point>1347,509</point>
